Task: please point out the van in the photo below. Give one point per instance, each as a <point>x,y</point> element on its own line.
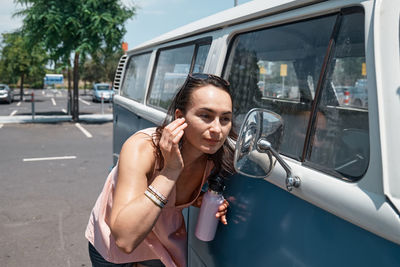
<point>318,180</point>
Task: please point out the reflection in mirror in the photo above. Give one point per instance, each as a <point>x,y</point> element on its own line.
<point>249,160</point>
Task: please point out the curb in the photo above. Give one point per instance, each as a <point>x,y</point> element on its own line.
<point>60,118</point>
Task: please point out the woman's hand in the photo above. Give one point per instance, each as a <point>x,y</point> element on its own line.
<point>222,210</point>
<point>169,145</point>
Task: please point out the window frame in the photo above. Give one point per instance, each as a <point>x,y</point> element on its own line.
<point>311,127</point>
<point>197,42</point>
<point>149,52</point>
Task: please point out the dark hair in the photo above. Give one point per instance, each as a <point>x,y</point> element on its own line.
<point>223,158</point>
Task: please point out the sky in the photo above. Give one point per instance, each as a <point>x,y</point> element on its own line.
<point>153,17</point>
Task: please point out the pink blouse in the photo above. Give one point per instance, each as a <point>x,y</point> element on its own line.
<point>168,239</point>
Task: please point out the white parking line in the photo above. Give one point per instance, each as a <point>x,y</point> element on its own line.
<point>54,102</point>
<point>13,113</point>
<point>19,104</point>
<point>1,125</point>
<point>84,102</point>
<point>42,92</point>
<point>63,110</point>
<point>50,158</point>
<point>88,135</point>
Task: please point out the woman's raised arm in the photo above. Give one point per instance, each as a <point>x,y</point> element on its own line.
<point>133,214</point>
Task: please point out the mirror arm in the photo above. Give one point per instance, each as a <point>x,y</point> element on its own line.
<point>291,181</point>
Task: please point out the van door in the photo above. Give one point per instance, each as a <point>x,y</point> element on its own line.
<point>157,74</point>
<point>294,70</point>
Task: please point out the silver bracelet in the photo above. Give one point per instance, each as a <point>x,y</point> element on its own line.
<point>155,200</point>
<point>158,194</point>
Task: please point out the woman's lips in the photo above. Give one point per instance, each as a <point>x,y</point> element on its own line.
<point>212,141</point>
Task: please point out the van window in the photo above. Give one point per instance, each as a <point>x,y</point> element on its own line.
<point>173,65</point>
<point>201,57</point>
<point>341,139</point>
<point>279,69</point>
<point>135,77</point>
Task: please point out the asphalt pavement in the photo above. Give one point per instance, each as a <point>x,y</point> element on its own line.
<point>50,105</point>
<point>51,175</point>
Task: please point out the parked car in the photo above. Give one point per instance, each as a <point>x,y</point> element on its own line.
<point>6,93</point>
<point>102,90</point>
<point>359,94</point>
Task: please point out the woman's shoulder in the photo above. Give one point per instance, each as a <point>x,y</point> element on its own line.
<point>139,150</point>
<point>141,140</point>
<point>148,131</point>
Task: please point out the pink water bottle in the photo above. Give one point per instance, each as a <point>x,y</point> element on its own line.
<point>207,222</point>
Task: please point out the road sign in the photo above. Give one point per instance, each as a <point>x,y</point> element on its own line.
<point>53,79</point>
<point>364,69</point>
<point>125,46</point>
<point>283,70</point>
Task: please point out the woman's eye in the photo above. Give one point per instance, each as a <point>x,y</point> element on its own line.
<point>226,119</point>
<point>205,116</point>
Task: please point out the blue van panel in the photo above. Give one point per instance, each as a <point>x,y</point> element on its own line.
<point>125,124</point>
<point>268,226</point>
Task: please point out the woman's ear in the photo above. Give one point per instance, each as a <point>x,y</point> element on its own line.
<point>178,114</point>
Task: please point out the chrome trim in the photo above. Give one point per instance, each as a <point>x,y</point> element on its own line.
<point>120,72</point>
<point>148,113</point>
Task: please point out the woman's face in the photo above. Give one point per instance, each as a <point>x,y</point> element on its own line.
<point>209,118</point>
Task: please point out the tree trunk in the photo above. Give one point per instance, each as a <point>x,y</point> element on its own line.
<point>21,88</point>
<point>75,109</point>
<point>69,91</point>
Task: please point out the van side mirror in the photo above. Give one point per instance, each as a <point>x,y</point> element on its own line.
<point>259,138</point>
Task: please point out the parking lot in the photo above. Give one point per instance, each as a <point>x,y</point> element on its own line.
<point>52,102</point>
<point>50,177</point>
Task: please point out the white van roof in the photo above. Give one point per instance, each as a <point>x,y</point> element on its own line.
<point>235,15</point>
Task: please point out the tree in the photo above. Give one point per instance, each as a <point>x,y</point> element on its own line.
<point>92,71</point>
<point>110,63</point>
<point>75,27</point>
<point>101,66</point>
<point>21,61</point>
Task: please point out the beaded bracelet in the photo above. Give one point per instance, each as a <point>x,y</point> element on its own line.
<point>154,199</point>
<point>158,194</point>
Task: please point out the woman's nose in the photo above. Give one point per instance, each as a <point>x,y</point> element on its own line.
<point>216,126</point>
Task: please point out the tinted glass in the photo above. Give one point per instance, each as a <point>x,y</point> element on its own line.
<point>201,57</point>
<point>341,140</point>
<point>278,69</point>
<point>103,87</point>
<point>135,77</point>
<point>173,66</point>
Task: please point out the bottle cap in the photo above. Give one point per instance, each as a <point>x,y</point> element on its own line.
<point>216,183</point>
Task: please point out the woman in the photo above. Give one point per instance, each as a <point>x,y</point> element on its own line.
<point>138,216</point>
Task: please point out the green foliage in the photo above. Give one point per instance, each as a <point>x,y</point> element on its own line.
<point>75,25</point>
<point>101,67</point>
<point>18,58</point>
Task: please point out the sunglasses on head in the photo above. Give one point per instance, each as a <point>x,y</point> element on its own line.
<point>205,76</point>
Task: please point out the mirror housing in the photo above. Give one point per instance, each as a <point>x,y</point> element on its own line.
<point>259,138</point>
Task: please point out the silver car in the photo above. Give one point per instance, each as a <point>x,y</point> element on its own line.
<point>102,91</point>
<point>6,94</point>
<point>359,94</point>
